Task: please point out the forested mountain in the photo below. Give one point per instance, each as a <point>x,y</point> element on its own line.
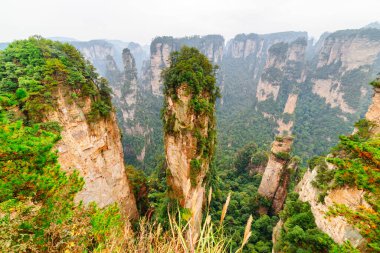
<point>270,84</point>
<point>282,83</point>
<point>235,121</point>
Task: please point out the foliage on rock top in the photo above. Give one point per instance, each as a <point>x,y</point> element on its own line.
<point>191,70</point>
<point>189,66</point>
<point>376,83</point>
<point>32,70</point>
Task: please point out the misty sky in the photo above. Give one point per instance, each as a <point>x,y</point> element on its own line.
<point>142,20</point>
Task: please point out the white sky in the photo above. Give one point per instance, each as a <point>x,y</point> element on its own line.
<point>142,20</point>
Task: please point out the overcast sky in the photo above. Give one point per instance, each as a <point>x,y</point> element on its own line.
<point>142,20</point>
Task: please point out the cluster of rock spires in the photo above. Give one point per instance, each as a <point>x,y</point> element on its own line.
<point>338,228</point>
<point>280,75</point>
<point>282,68</point>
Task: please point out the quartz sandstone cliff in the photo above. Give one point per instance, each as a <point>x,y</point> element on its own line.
<point>161,47</point>
<point>373,113</point>
<point>346,57</point>
<point>186,181</point>
<point>284,64</point>
<point>337,227</point>
<point>94,149</point>
<point>275,180</point>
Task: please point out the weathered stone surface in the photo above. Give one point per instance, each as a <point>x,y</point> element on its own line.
<point>276,176</point>
<point>211,45</point>
<point>373,113</point>
<point>158,60</point>
<point>95,151</point>
<point>336,227</point>
<point>180,149</point>
<point>276,235</point>
<point>284,63</point>
<point>340,54</point>
<point>291,103</point>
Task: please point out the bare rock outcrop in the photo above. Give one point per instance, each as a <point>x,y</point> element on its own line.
<point>124,87</point>
<point>276,176</point>
<point>257,45</point>
<point>187,168</point>
<point>210,45</point>
<point>94,149</point>
<point>336,227</point>
<point>125,98</point>
<point>284,64</point>
<point>346,58</point>
<point>189,131</point>
<point>373,113</point>
<point>97,52</point>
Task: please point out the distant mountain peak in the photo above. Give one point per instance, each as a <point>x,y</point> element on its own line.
<point>375,24</point>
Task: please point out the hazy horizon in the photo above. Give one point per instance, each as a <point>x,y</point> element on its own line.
<point>141,21</point>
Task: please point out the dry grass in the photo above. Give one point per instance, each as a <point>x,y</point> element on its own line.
<point>150,237</point>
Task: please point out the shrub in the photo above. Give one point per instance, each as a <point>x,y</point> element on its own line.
<point>42,67</point>
<point>376,83</point>
<point>282,156</point>
<point>195,168</point>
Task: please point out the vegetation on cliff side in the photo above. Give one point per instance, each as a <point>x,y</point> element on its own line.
<point>192,71</point>
<point>32,71</point>
<point>299,233</point>
<point>356,161</point>
<point>37,209</point>
<point>189,66</point>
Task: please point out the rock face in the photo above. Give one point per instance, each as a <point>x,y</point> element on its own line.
<point>94,149</point>
<point>161,47</point>
<point>160,53</point>
<point>344,59</point>
<point>373,113</point>
<point>336,227</point>
<point>256,45</point>
<point>284,65</point>
<point>188,116</point>
<point>276,234</point>
<point>281,81</point>
<point>142,140</point>
<point>276,176</point>
<point>97,52</point>
<point>125,88</point>
<point>187,167</point>
<point>123,79</point>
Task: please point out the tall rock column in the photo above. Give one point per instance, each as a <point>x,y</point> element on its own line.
<point>95,150</point>
<point>189,129</point>
<point>274,184</point>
